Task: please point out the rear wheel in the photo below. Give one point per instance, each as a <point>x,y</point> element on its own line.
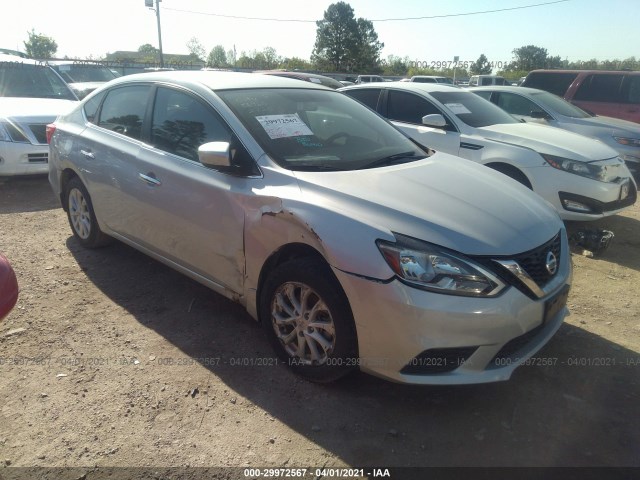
<point>307,318</point>
<point>82,218</point>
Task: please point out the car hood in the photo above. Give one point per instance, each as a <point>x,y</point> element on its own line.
<point>445,200</point>
<point>548,140</point>
<point>613,126</point>
<point>34,109</point>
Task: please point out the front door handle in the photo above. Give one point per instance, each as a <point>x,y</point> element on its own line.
<point>87,153</point>
<point>150,179</point>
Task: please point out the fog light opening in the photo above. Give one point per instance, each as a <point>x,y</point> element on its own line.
<point>574,206</point>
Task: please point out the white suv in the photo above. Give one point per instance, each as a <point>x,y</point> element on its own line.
<point>31,96</point>
<point>582,178</point>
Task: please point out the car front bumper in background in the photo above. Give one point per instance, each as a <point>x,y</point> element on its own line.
<point>17,158</point>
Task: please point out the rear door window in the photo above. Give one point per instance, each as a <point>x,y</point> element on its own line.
<point>123,110</point>
<point>600,88</point>
<point>368,96</point>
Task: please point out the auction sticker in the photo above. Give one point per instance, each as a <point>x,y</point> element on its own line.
<point>457,108</point>
<point>283,126</point>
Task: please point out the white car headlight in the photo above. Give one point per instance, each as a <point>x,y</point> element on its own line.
<point>631,142</point>
<point>430,267</point>
<point>589,170</point>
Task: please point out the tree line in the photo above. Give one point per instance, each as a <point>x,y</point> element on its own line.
<point>346,44</point>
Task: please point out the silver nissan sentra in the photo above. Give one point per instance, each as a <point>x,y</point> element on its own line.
<point>354,247</point>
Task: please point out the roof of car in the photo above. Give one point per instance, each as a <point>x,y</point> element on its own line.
<point>618,72</point>
<point>14,58</point>
<point>507,88</point>
<point>411,86</point>
<point>218,80</point>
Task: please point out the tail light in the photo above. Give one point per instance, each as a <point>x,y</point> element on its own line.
<point>51,128</point>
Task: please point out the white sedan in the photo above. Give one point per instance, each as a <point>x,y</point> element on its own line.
<point>537,106</point>
<point>582,178</point>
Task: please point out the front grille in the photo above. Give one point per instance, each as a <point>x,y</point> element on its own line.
<point>38,157</point>
<point>534,262</point>
<point>39,131</point>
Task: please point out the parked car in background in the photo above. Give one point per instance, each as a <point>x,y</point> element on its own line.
<point>431,79</point>
<point>82,77</point>
<point>610,93</point>
<point>32,95</point>
<point>8,287</point>
<point>369,78</point>
<point>352,245</point>
<point>581,177</point>
<point>346,83</point>
<point>537,106</point>
<point>479,80</point>
<point>308,77</point>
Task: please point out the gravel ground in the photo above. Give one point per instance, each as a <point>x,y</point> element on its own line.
<point>111,359</point>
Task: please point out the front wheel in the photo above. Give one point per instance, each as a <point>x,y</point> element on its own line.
<point>82,218</point>
<point>307,318</point>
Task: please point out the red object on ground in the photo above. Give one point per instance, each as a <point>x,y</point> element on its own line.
<point>8,287</point>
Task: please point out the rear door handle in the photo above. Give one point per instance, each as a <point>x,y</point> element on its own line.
<point>150,179</point>
<point>87,153</point>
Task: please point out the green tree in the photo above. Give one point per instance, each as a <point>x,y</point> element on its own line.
<point>147,48</point>
<point>368,48</point>
<point>336,37</point>
<point>344,43</point>
<point>481,66</point>
<point>217,57</point>
<point>295,63</point>
<point>529,58</point>
<point>40,46</point>
<point>196,49</point>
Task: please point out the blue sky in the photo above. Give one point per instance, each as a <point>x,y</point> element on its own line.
<point>573,29</point>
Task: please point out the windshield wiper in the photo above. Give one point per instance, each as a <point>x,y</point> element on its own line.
<point>395,159</point>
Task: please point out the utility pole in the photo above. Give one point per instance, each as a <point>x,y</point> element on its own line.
<point>149,3</point>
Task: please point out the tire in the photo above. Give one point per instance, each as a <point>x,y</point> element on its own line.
<point>82,218</point>
<point>318,341</point>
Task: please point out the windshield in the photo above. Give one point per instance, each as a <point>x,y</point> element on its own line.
<point>305,129</point>
<point>84,73</point>
<point>473,110</point>
<point>33,81</point>
<point>558,104</point>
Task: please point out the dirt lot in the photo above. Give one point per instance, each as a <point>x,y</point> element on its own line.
<point>112,359</point>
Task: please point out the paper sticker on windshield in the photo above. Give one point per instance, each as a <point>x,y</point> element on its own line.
<point>457,108</point>
<point>283,126</point>
<point>315,80</point>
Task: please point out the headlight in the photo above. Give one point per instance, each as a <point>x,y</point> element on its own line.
<point>632,142</point>
<point>589,170</point>
<point>423,265</point>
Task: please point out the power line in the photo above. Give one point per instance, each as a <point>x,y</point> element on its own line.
<point>238,17</point>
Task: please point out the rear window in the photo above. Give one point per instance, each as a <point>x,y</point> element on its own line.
<point>555,82</point>
<point>600,88</point>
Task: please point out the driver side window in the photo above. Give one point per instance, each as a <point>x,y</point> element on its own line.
<point>516,105</point>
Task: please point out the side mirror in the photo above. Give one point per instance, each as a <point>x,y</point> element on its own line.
<point>215,155</point>
<point>434,120</point>
<point>538,114</point>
